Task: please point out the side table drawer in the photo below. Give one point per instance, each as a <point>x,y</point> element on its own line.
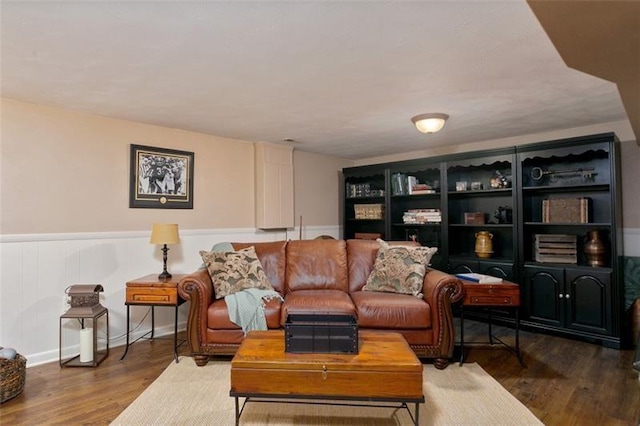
<point>147,295</point>
<point>491,296</point>
<point>490,300</point>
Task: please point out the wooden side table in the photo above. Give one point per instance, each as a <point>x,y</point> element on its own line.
<point>152,291</point>
<point>506,295</point>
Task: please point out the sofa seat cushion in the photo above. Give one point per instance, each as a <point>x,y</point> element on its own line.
<point>218,315</point>
<point>391,310</point>
<point>321,301</point>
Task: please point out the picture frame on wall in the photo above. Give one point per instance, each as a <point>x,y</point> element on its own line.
<point>160,178</point>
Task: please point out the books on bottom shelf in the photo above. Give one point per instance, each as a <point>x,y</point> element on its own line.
<point>480,278</point>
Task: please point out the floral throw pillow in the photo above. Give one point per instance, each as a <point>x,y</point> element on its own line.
<point>399,269</point>
<point>232,271</point>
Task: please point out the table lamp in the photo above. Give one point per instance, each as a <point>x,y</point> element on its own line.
<point>163,234</point>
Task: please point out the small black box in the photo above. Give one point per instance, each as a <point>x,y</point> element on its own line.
<point>321,333</point>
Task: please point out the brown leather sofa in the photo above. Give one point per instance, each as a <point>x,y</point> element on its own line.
<point>326,276</point>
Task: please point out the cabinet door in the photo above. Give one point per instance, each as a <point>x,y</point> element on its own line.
<point>544,294</point>
<point>274,186</point>
<point>588,298</point>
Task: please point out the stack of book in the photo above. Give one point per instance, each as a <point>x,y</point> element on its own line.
<point>421,216</point>
<point>422,188</point>
<point>402,184</point>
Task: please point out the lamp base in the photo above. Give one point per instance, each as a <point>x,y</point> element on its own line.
<point>164,275</point>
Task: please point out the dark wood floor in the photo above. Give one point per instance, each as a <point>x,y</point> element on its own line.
<point>566,382</point>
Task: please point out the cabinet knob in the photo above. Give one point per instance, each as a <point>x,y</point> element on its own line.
<point>567,296</point>
<point>561,295</point>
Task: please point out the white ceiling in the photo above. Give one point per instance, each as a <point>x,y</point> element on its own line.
<point>341,78</point>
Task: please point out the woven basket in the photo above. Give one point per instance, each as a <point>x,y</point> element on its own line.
<point>12,376</point>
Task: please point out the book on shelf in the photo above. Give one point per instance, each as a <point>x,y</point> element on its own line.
<point>411,182</point>
<point>398,184</point>
<point>480,278</point>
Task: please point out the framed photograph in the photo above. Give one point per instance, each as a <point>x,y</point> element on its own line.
<point>160,178</point>
<point>476,186</point>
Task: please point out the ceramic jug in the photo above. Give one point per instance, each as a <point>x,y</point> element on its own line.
<point>484,244</point>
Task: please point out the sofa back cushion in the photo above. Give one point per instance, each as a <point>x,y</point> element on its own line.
<point>272,256</point>
<point>362,256</point>
<point>234,271</point>
<point>316,264</point>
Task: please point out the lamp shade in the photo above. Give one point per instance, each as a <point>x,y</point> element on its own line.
<point>164,233</point>
<point>430,123</point>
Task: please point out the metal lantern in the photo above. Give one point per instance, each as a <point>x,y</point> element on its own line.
<point>92,318</point>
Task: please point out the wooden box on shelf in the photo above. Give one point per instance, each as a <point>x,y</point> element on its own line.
<point>565,210</point>
<point>555,248</point>
<point>369,211</point>
<point>474,218</point>
<point>367,235</point>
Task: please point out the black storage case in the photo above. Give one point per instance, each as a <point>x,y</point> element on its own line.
<point>321,333</point>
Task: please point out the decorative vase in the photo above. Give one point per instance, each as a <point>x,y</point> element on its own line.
<point>595,249</point>
<point>484,244</point>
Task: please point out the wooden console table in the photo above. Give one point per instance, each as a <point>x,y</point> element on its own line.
<point>152,291</point>
<point>506,295</point>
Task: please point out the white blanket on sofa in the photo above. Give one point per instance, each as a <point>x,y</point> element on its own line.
<point>246,308</point>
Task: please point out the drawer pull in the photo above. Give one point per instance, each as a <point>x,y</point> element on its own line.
<point>150,298</point>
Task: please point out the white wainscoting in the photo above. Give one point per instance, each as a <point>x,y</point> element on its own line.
<point>35,270</point>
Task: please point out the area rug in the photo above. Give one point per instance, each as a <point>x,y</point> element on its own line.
<point>186,394</point>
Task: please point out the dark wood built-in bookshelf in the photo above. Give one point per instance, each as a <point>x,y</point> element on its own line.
<point>520,193</point>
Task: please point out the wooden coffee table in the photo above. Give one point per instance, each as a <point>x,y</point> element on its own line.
<point>384,370</point>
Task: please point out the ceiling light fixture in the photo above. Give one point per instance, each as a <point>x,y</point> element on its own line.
<point>430,123</point>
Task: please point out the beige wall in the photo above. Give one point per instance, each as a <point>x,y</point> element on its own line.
<point>630,153</point>
<point>317,187</point>
<point>65,172</point>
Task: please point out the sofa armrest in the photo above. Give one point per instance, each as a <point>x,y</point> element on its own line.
<point>438,284</point>
<point>198,289</point>
<point>441,290</point>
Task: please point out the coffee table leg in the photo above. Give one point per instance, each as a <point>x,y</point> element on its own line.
<point>461,335</point>
<point>417,413</point>
<point>237,412</point>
